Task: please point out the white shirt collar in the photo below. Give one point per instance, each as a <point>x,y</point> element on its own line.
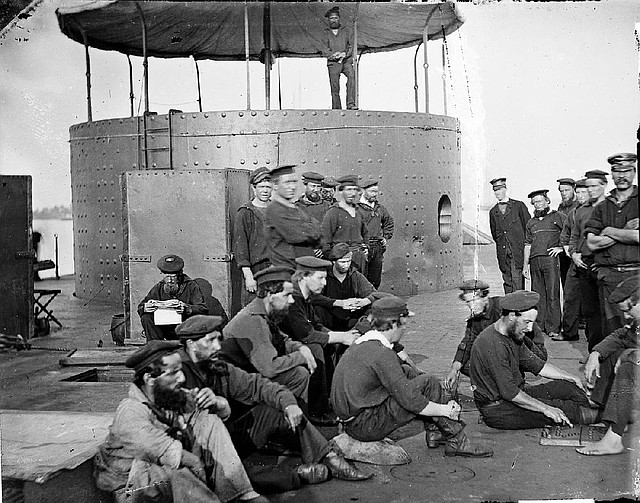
<point>364,201</point>
<point>374,335</point>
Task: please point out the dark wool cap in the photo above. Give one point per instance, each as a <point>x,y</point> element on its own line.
<point>539,192</point>
<point>332,10</point>
<point>287,169</point>
<point>170,264</point>
<point>623,166</point>
<point>624,158</point>
<point>369,183</point>
<point>329,182</point>
<point>152,351</point>
<point>390,307</point>
<point>473,284</point>
<point>198,326</point>
<point>259,175</point>
<point>498,183</point>
<point>597,174</point>
<point>312,176</point>
<point>520,300</point>
<point>310,263</point>
<point>582,183</point>
<point>348,181</point>
<point>625,289</point>
<point>273,273</point>
<point>338,251</point>
<point>566,181</point>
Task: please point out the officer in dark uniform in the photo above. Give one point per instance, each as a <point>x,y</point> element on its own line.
<point>176,286</point>
<point>311,201</point>
<point>567,189</point>
<point>508,220</point>
<point>380,226</point>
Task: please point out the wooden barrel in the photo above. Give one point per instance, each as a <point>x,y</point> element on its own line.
<point>118,329</point>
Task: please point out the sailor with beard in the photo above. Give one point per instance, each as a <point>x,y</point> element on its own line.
<point>497,358</point>
<point>174,286</point>
<point>343,223</point>
<point>484,311</point>
<point>600,366</point>
<point>254,343</point>
<point>165,446</point>
<point>312,201</point>
<point>541,263</point>
<point>259,408</point>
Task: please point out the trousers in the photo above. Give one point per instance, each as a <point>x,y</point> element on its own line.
<point>571,311</point>
<point>545,280</point>
<point>622,399</point>
<point>335,70</point>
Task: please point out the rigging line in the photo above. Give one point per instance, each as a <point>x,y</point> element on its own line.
<point>466,74</point>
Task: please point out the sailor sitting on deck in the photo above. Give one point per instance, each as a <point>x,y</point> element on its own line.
<point>177,293</point>
<point>163,446</point>
<point>374,394</point>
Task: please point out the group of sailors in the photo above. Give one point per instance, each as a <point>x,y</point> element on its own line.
<point>317,344</point>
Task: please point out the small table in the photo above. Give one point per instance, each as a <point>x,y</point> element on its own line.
<point>42,299</point>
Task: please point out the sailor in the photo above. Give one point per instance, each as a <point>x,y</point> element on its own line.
<point>380,227</point>
<point>291,232</point>
<point>344,224</point>
<point>613,237</point>
<point>508,220</point>
<point>336,47</point>
<point>328,192</point>
<point>542,247</point>
<point>311,201</point>
<point>175,286</point>
<point>249,237</point>
<point>374,394</point>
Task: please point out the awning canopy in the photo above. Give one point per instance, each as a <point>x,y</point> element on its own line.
<point>215,30</point>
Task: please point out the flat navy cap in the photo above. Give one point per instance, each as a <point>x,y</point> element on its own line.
<point>539,192</point>
<point>332,10</point>
<point>566,181</point>
<point>198,326</point>
<point>498,183</point>
<point>312,176</point>
<point>259,175</point>
<point>624,158</point>
<point>285,169</point>
<point>582,183</point>
<point>338,251</point>
<point>625,289</point>
<point>151,352</point>
<point>520,300</point>
<point>596,174</point>
<point>348,181</point>
<point>473,284</point>
<point>273,273</point>
<point>369,183</point>
<point>623,166</point>
<point>310,263</point>
<point>329,182</point>
<point>390,307</point>
<point>170,264</point>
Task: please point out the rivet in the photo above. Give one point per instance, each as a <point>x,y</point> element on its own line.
<point>241,114</point>
<point>241,161</point>
<point>207,162</point>
<point>195,147</point>
<point>223,114</point>
<point>206,115</point>
<point>253,113</point>
<point>195,163</point>
<point>218,146</point>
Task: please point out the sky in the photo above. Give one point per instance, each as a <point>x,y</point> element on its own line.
<point>543,90</point>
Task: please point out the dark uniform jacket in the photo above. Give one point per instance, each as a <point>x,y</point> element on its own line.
<point>609,213</point>
<point>302,323</point>
<point>188,292</point>
<point>315,210</point>
<point>240,388</point>
<point>544,233</point>
<point>291,233</point>
<point>508,231</point>
<point>354,285</point>
<point>619,340</point>
<point>377,219</point>
<point>249,238</point>
<point>336,43</point>
<point>577,238</point>
<point>338,226</point>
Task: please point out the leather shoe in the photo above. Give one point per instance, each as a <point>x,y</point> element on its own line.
<point>343,469</point>
<point>313,473</point>
<point>460,445</point>
<point>434,437</point>
<point>326,419</point>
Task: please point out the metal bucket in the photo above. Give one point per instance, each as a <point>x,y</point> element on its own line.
<point>118,329</point>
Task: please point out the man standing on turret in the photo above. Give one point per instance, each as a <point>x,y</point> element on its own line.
<point>337,49</point>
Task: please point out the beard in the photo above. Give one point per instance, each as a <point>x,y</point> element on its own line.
<point>277,317</point>
<point>170,288</point>
<point>513,333</point>
<point>314,197</point>
<point>541,213</point>
<point>170,399</point>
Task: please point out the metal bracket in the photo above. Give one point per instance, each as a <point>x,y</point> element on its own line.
<point>217,258</point>
<point>135,258</point>
<point>26,254</point>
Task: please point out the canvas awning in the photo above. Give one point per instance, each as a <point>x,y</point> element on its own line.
<point>215,30</point>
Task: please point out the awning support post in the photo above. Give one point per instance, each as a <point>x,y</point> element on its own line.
<point>444,70</point>
<point>131,95</point>
<point>88,75</point>
<point>266,36</point>
<point>198,81</point>
<point>425,38</point>
<point>145,59</point>
<point>246,52</point>
<point>415,76</point>
<point>355,57</point>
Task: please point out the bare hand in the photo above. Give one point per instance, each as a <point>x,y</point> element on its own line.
<point>293,415</point>
<point>526,271</point>
<point>453,410</point>
<point>451,381</point>
<point>182,307</point>
<point>349,337</point>
<point>632,224</point>
<point>557,415</point>
<point>250,285</point>
<point>555,251</point>
<point>592,368</point>
<point>150,306</point>
<point>309,359</point>
<point>577,260</point>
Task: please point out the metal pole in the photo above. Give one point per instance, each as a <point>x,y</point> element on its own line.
<point>198,79</point>
<point>247,52</point>
<point>415,76</point>
<point>355,56</point>
<point>131,95</point>
<point>425,38</point>
<point>145,59</point>
<point>56,238</point>
<point>444,71</point>
<point>266,37</point>
<point>88,74</point>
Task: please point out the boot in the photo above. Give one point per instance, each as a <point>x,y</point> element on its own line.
<point>589,415</point>
<point>434,437</point>
<point>457,442</point>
